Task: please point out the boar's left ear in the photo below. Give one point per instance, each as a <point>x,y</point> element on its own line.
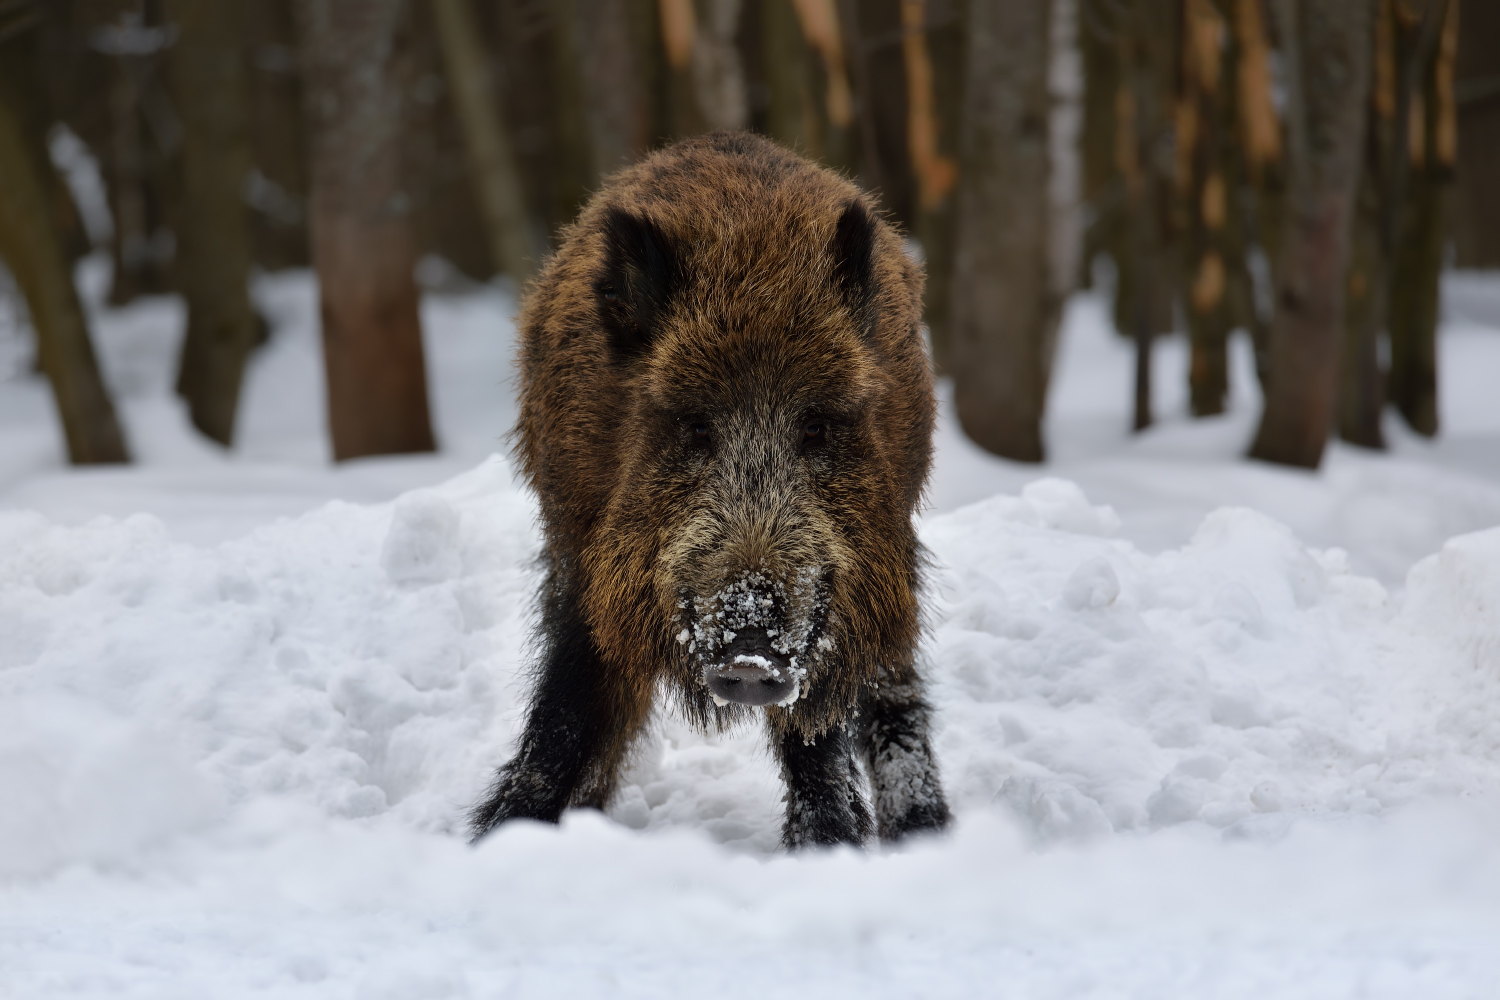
<point>641,274</point>
<point>853,253</point>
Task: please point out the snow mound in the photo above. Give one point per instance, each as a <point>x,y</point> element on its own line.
<point>1239,682</point>
<point>362,659</point>
<point>368,661</point>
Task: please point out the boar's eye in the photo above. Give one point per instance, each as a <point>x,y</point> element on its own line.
<point>700,432</point>
<point>812,432</point>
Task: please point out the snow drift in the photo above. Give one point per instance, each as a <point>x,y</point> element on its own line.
<point>369,660</point>
<point>274,740</point>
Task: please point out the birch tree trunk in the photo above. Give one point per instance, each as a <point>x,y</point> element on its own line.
<point>1326,50</point>
<point>362,241</point>
<point>1004,313</point>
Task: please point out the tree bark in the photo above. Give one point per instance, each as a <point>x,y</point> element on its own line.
<point>207,67</point>
<point>1361,380</point>
<point>144,135</point>
<point>607,52</point>
<point>1262,158</point>
<point>1208,184</point>
<point>1326,52</point>
<point>809,102</point>
<point>362,241</point>
<point>877,65</point>
<point>1431,151</point>
<point>718,78</point>
<point>934,51</point>
<point>1476,86</point>
<point>497,179</point>
<point>277,188</point>
<point>791,108</point>
<point>1005,314</point>
<point>1145,288</point>
<point>32,249</point>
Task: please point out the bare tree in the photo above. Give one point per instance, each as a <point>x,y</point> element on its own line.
<point>362,239</point>
<point>1209,177</point>
<point>809,102</point>
<point>276,190</point>
<point>31,247</point>
<point>1005,313</point>
<point>1476,92</point>
<point>143,139</point>
<point>708,80</point>
<point>207,67</point>
<point>933,45</point>
<point>1429,137</point>
<point>497,179</point>
<point>1361,398</point>
<point>1326,52</point>
<point>1130,57</point>
<point>610,41</point>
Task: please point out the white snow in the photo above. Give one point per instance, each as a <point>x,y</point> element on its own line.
<point>1209,728</point>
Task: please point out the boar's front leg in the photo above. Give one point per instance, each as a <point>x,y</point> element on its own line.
<point>825,803</point>
<point>898,752</point>
<point>579,726</point>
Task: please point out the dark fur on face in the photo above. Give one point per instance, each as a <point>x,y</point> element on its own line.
<point>726,412</point>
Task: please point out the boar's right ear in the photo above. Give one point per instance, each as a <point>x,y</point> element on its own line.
<point>641,274</point>
<point>853,253</point>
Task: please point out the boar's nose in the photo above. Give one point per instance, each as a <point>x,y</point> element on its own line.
<point>751,672</point>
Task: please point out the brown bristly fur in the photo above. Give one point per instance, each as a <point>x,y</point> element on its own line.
<point>789,296</point>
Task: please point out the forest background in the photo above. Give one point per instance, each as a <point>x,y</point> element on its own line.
<point>1301,170</point>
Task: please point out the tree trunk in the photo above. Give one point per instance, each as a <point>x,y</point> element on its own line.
<point>877,65</point>
<point>1476,91</point>
<point>1418,261</point>
<point>1205,183</point>
<point>277,188</point>
<point>1262,158</point>
<point>362,240</point>
<point>718,79</point>
<point>207,68</point>
<point>1326,52</point>
<point>144,137</point>
<point>492,159</point>
<point>32,249</point>
<point>809,102</point>
<point>1361,396</point>
<point>934,53</point>
<point>1145,280</point>
<point>791,107</point>
<point>1361,380</point>
<point>607,53</point>
<point>1005,314</point>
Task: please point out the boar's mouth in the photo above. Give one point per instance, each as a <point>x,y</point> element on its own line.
<point>752,672</point>
<point>757,637</point>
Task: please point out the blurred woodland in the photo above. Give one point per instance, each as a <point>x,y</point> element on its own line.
<point>1298,169</point>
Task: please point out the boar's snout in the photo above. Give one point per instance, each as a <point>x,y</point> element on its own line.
<point>752,672</point>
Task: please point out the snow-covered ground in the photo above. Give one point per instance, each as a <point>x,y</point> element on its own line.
<point>1210,728</point>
